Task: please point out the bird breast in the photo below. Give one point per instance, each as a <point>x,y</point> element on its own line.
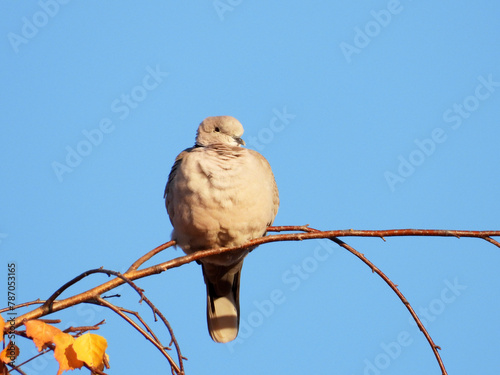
<point>222,204</point>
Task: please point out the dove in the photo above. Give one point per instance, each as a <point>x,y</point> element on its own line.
<point>220,194</point>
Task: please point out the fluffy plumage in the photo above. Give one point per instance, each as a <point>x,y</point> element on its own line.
<point>219,194</point>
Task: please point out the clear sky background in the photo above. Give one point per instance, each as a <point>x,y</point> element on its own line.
<point>373,115</point>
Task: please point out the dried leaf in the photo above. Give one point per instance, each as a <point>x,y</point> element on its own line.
<point>90,349</point>
<point>9,354</point>
<point>40,332</point>
<point>64,353</point>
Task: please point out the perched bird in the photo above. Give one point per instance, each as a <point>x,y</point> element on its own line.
<point>220,194</point>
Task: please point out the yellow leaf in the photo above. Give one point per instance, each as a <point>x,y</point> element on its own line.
<point>2,326</point>
<point>90,349</point>
<point>9,354</point>
<point>40,332</point>
<point>64,353</point>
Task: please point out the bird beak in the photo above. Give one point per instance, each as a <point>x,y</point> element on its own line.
<point>239,141</point>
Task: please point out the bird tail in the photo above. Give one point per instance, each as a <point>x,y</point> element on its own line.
<point>223,302</point>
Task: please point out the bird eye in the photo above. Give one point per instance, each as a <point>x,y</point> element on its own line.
<point>217,129</point>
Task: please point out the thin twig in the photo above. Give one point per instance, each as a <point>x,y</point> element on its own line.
<point>30,359</point>
<point>139,318</point>
<point>16,368</point>
<point>50,321</point>
<point>177,262</point>
<point>94,370</point>
<point>493,241</point>
<point>398,293</point>
<point>37,302</point>
<point>149,255</point>
<point>155,312</point>
<point>143,298</point>
<point>48,303</point>
<point>388,232</point>
<point>94,294</point>
<point>116,309</point>
<point>82,329</point>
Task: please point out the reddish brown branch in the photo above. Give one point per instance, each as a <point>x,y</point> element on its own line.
<point>491,240</point>
<point>139,318</point>
<point>158,345</point>
<point>50,321</point>
<point>162,317</point>
<point>17,367</point>
<point>379,233</point>
<point>48,303</point>
<point>178,369</point>
<point>177,262</point>
<point>403,299</point>
<point>389,232</point>
<point>80,330</point>
<point>37,302</point>
<point>149,255</point>
<point>94,294</point>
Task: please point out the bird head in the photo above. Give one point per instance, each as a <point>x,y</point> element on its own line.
<point>220,130</point>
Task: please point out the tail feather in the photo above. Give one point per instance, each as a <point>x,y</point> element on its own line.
<point>223,305</point>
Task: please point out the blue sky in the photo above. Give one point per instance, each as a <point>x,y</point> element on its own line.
<point>373,115</point>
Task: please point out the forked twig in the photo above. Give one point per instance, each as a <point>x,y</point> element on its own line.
<point>139,318</point>
<point>94,295</point>
<point>149,255</point>
<point>158,345</point>
<point>179,369</point>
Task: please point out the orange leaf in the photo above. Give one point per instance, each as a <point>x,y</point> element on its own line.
<point>40,332</point>
<point>90,349</point>
<point>2,326</point>
<point>9,354</point>
<point>64,353</point>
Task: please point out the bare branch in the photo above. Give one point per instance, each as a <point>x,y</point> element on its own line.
<point>50,321</point>
<point>491,240</point>
<point>139,318</point>
<point>393,286</point>
<point>149,255</point>
<point>18,306</point>
<point>94,370</point>
<point>82,329</point>
<point>155,312</point>
<point>130,321</point>
<point>94,295</point>
<point>17,367</point>
<point>158,345</point>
